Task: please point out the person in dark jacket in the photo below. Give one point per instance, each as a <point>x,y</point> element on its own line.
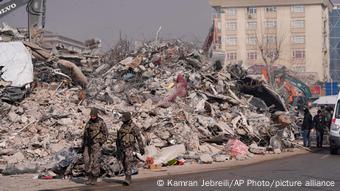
<point>320,125</point>
<point>307,125</point>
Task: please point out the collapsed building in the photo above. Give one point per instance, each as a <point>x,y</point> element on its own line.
<point>188,108</point>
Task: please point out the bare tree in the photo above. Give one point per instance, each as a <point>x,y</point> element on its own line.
<point>270,48</point>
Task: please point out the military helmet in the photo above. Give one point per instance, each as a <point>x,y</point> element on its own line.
<point>126,116</point>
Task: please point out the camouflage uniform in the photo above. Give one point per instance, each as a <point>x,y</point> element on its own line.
<point>127,136</point>
<point>95,135</point>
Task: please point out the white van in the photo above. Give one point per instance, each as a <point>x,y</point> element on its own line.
<point>334,134</point>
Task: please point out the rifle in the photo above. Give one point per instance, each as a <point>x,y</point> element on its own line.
<point>88,140</point>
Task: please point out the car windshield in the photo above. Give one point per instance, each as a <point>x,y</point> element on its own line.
<point>337,110</point>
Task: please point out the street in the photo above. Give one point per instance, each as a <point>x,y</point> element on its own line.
<point>314,171</point>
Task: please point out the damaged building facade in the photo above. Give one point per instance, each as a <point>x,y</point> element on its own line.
<point>300,29</point>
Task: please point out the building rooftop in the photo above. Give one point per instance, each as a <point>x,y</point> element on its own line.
<point>247,3</point>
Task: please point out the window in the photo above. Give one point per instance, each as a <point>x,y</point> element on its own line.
<point>270,24</point>
<point>298,8</point>
<point>251,10</point>
<point>271,9</point>
<point>298,54</point>
<point>231,40</point>
<point>270,39</point>
<point>252,24</point>
<point>298,24</point>
<point>231,56</point>
<point>252,55</point>
<point>252,40</point>
<point>231,11</point>
<point>298,39</point>
<point>299,68</point>
<point>231,25</point>
<point>272,54</point>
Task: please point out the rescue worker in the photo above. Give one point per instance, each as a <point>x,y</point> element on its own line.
<point>127,137</point>
<point>320,126</point>
<point>307,125</point>
<point>95,135</point>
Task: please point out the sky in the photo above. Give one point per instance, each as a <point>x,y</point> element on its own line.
<point>137,19</point>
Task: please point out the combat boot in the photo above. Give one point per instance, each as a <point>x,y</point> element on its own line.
<point>94,180</point>
<point>127,181</point>
<point>89,180</point>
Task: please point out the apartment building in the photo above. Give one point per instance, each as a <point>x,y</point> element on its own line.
<point>297,32</point>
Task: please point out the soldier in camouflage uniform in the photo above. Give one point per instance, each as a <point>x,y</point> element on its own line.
<point>95,135</point>
<point>127,137</point>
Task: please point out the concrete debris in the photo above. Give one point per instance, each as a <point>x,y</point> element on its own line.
<point>206,159</point>
<point>16,158</point>
<point>221,158</point>
<point>277,151</point>
<point>253,148</point>
<point>276,142</point>
<point>184,107</point>
<point>15,64</point>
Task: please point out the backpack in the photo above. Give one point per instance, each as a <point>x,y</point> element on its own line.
<point>128,138</point>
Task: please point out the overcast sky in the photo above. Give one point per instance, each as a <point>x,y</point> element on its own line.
<point>138,19</point>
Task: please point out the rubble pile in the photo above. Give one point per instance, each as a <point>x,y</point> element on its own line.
<point>187,108</point>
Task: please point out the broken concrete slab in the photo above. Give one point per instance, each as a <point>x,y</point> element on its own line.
<point>253,148</point>
<point>207,148</point>
<point>16,64</point>
<point>16,158</point>
<point>221,158</point>
<point>13,117</point>
<point>206,159</point>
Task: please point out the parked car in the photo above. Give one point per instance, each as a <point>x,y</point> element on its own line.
<point>334,134</point>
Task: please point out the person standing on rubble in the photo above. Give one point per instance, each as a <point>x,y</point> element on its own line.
<point>320,125</point>
<point>127,137</point>
<point>95,135</point>
<point>307,125</point>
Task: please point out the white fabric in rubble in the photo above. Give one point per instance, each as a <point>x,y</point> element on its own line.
<point>169,153</point>
<point>17,63</point>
